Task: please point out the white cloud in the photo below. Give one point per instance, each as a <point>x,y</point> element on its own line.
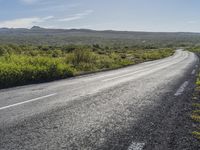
<point>48,17</point>
<point>76,16</point>
<point>24,22</point>
<point>70,18</point>
<point>41,21</point>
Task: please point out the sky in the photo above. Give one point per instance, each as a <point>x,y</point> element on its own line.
<point>125,15</point>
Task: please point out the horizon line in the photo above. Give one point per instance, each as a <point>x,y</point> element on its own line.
<point>101,30</point>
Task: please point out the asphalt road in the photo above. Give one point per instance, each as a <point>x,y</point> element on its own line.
<point>131,108</point>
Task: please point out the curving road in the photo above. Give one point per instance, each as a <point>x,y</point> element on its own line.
<point>128,108</point>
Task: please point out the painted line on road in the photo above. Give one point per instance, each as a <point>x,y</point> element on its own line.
<point>28,101</point>
<point>123,75</point>
<point>136,146</point>
<point>140,71</point>
<point>181,89</point>
<point>193,72</point>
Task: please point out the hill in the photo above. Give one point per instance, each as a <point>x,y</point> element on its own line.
<point>42,36</point>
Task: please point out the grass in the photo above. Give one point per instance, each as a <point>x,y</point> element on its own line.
<point>196,134</point>
<point>196,112</point>
<point>197,105</point>
<point>24,64</point>
<point>195,116</point>
<point>17,69</point>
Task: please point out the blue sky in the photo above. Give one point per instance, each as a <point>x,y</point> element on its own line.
<point>129,15</point>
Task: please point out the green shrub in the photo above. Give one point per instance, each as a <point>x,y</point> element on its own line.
<point>15,70</point>
<point>196,134</point>
<point>196,117</point>
<point>22,64</point>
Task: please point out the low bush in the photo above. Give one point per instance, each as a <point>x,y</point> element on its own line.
<point>195,115</point>
<point>26,64</point>
<point>16,70</point>
<point>196,134</point>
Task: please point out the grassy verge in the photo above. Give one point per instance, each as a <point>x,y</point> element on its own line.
<point>195,115</point>
<point>196,109</point>
<point>21,65</point>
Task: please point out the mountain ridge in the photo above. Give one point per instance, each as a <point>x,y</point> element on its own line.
<point>45,36</point>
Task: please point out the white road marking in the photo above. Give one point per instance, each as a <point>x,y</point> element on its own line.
<point>28,101</point>
<point>136,146</point>
<point>193,72</point>
<point>122,75</point>
<point>181,89</point>
<point>141,71</point>
<point>148,64</point>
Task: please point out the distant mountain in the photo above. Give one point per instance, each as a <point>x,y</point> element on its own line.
<point>37,36</point>
<point>36,28</point>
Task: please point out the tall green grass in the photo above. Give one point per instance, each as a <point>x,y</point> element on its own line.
<point>17,69</point>
<point>195,116</point>
<point>27,64</point>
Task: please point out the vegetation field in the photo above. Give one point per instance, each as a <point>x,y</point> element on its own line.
<point>23,64</point>
<point>196,97</point>
<point>44,36</point>
<point>196,109</point>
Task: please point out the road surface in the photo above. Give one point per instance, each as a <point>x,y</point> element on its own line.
<point>131,108</point>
